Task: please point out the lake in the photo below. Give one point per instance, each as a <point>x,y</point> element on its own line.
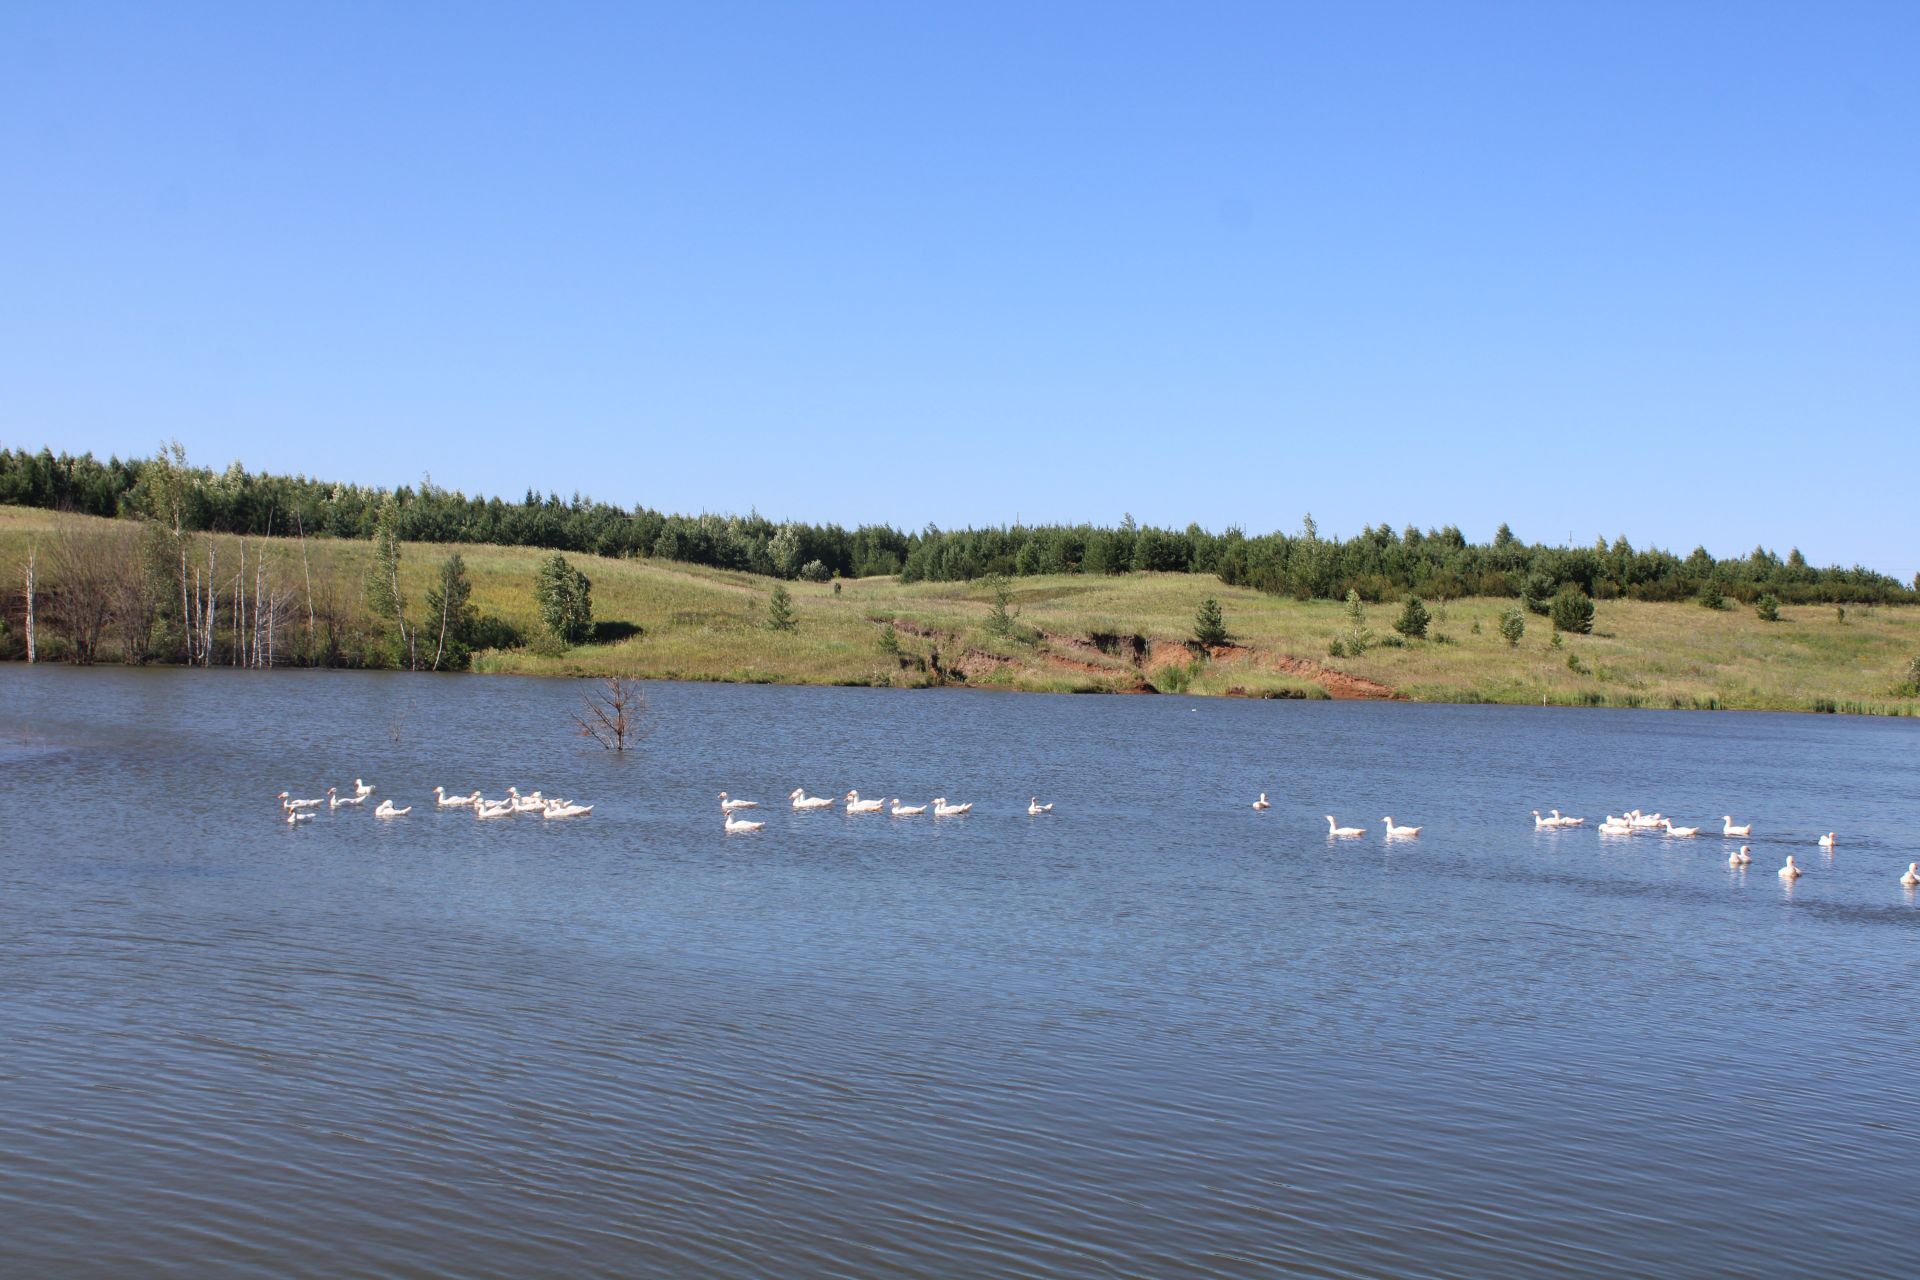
<point>1153,1033</point>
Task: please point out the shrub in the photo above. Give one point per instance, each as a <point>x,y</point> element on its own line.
<point>565,597</point>
<point>1576,666</point>
<point>1767,608</point>
<point>780,609</point>
<point>1337,649</point>
<point>1513,625</point>
<point>1572,610</point>
<point>817,571</point>
<point>1913,670</point>
<point>1710,597</point>
<point>1209,627</point>
<point>1412,622</point>
<point>889,640</point>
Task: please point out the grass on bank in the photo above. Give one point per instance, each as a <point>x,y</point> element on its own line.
<point>1073,633</point>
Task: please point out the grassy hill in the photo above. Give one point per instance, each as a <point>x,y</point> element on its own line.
<point>660,619</point>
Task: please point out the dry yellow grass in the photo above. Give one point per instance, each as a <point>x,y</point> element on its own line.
<point>686,622</point>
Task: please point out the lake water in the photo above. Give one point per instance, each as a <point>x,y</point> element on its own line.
<point>1151,1034</point>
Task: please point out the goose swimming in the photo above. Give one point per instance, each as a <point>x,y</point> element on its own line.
<point>386,810</point>
<point>288,803</point>
<point>1739,857</point>
<point>856,805</point>
<point>1335,829</point>
<point>445,801</point>
<point>361,789</point>
<point>335,800</point>
<point>1035,808</point>
<point>1911,880</point>
<point>941,809</point>
<point>1790,872</point>
<point>739,826</point>
<point>728,805</point>
<point>296,816</point>
<point>801,800</point>
<point>1730,830</point>
<point>906,810</point>
<point>1682,832</point>
<point>1826,841</point>
<point>1261,803</point>
<point>565,809</point>
<point>1399,831</point>
<point>493,809</point>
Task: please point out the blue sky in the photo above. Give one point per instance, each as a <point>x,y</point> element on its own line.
<point>1590,269</point>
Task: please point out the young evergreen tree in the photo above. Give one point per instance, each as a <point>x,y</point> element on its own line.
<point>1413,619</point>
<point>1767,608</point>
<point>780,609</point>
<point>1209,627</point>
<point>1572,610</point>
<point>565,597</point>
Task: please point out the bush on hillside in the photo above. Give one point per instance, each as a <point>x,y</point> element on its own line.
<point>1413,619</point>
<point>1767,608</point>
<point>1572,610</point>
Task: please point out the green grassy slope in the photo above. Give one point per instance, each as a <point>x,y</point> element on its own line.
<point>1077,633</point>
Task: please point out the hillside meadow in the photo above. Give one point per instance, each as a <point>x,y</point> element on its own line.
<point>1076,633</point>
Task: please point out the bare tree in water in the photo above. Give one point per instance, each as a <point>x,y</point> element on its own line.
<point>613,716</point>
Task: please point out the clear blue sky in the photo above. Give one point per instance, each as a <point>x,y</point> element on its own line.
<point>1635,268</point>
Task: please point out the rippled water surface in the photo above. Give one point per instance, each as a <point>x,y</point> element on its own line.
<point>1151,1034</point>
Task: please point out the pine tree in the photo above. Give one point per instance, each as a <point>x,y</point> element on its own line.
<point>1209,627</point>
<point>1413,620</point>
<point>1513,625</point>
<point>780,609</point>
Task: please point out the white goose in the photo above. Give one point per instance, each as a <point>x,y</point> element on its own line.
<point>445,801</point>
<point>361,789</point>
<point>288,803</point>
<point>493,808</point>
<point>1730,830</point>
<point>907,810</point>
<point>728,805</point>
<point>1790,872</point>
<point>1682,832</point>
<point>1542,824</point>
<point>1559,821</point>
<point>1335,829</point>
<point>801,800</point>
<point>1035,808</point>
<point>739,826</point>
<point>297,816</point>
<point>941,809</point>
<point>386,810</point>
<point>565,809</point>
<point>1826,841</point>
<point>1639,819</point>
<point>1262,803</point>
<point>1612,828</point>
<point>1399,831</point>
<point>335,800</point>
<point>527,803</point>
<point>856,805</point>
<point>1911,880</point>
<point>1739,857</point>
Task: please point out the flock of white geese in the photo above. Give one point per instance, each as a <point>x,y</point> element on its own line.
<point>1632,822</point>
<point>533,802</point>
<point>1635,821</point>
<point>804,803</point>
